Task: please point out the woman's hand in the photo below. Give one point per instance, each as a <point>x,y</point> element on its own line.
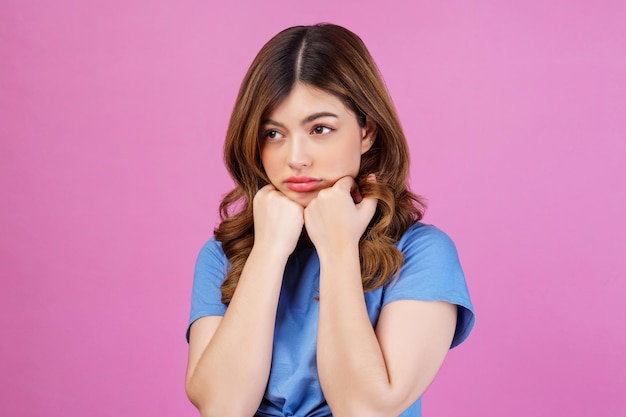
<point>334,221</point>
<point>278,221</point>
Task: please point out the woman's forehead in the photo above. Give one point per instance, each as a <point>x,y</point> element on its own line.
<point>304,100</point>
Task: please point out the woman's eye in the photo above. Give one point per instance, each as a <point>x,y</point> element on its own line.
<point>272,134</point>
<point>320,130</point>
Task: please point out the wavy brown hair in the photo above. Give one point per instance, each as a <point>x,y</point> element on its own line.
<point>335,60</point>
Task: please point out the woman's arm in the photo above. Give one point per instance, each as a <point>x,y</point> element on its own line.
<point>380,373</point>
<point>230,357</point>
<point>365,372</point>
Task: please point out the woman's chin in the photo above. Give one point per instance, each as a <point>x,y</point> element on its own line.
<point>304,199</point>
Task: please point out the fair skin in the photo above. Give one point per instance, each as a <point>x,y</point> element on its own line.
<point>311,150</point>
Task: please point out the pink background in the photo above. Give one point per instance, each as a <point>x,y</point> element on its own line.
<point>112,116</point>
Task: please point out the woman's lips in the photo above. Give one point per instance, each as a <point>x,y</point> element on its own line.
<point>302,184</point>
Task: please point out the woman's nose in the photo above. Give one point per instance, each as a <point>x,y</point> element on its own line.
<point>299,155</point>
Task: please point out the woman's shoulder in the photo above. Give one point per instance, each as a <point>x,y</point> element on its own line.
<point>432,271</point>
<point>211,252</point>
<point>421,236</point>
<point>212,244</point>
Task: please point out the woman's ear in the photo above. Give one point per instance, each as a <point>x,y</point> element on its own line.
<point>368,135</point>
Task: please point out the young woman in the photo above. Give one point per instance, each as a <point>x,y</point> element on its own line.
<point>321,293</point>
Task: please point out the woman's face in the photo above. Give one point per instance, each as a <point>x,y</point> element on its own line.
<point>309,141</point>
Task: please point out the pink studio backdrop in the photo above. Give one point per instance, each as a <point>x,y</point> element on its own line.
<point>112,116</point>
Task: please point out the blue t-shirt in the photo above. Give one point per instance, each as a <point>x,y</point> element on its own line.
<point>431,271</point>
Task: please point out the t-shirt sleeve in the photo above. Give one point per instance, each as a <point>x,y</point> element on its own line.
<point>432,272</point>
<point>210,271</point>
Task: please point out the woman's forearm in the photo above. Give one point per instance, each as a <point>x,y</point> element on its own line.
<point>230,376</point>
<point>351,365</point>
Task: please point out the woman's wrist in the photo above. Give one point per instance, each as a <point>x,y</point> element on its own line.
<point>338,253</point>
<point>270,252</point>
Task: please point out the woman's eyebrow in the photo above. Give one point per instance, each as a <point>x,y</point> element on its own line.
<point>308,119</point>
<point>315,116</point>
<point>271,122</point>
